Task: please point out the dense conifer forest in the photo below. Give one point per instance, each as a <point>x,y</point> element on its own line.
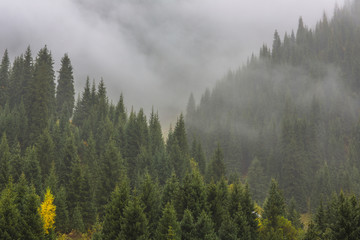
<point>272,152</point>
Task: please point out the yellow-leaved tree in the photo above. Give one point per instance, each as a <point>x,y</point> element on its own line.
<point>47,211</point>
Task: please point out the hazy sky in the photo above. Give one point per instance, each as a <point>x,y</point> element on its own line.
<point>154,51</point>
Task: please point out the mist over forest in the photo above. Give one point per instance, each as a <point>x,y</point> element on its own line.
<point>155,52</point>
<point>270,150</point>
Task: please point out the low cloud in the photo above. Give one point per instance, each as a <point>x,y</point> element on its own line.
<point>154,52</point>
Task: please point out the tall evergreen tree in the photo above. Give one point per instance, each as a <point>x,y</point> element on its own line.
<point>32,169</point>
<point>4,78</point>
<point>65,88</point>
<point>114,213</point>
<point>135,225</point>
<point>16,80</point>
<point>41,94</point>
<point>167,220</point>
<point>274,205</point>
<point>4,162</point>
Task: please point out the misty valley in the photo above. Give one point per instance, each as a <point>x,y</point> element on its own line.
<point>271,152</point>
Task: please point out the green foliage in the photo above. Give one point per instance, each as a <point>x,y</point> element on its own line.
<point>187,226</point>
<point>41,92</point>
<point>135,224</point>
<point>274,205</point>
<point>168,221</point>
<point>216,169</point>
<point>65,88</point>
<point>114,213</point>
<point>4,161</point>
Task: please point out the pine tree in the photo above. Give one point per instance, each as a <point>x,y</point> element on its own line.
<point>114,212</point>
<point>228,230</point>
<point>187,226</point>
<point>151,200</point>
<point>110,168</point>
<point>62,213</point>
<point>16,163</point>
<point>65,88</point>
<point>16,79</point>
<point>4,78</point>
<point>217,166</point>
<point>32,169</point>
<point>120,111</point>
<point>33,227</point>
<point>274,205</point>
<point>276,48</point>
<point>135,225</point>
<point>257,181</point>
<point>77,220</point>
<point>67,159</point>
<point>293,215</point>
<point>28,79</point>
<point>41,94</point>
<point>193,194</point>
<point>10,220</point>
<point>86,202</point>
<point>168,220</point>
<point>45,151</point>
<point>4,161</point>
<point>204,227</point>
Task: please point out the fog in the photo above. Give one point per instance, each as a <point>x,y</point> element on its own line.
<point>155,52</point>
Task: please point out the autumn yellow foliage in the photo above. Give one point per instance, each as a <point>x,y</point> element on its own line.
<point>47,211</point>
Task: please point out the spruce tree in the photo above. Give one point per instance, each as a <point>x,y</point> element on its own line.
<point>16,80</point>
<point>45,151</point>
<point>16,163</point>
<point>167,220</point>
<point>10,220</point>
<point>257,181</point>
<point>32,169</point>
<point>204,228</point>
<point>135,225</point>
<point>151,199</point>
<point>33,227</point>
<point>65,88</point>
<point>274,205</point>
<point>187,226</point>
<point>4,78</point>
<point>114,211</point>
<point>41,94</point>
<point>217,166</point>
<point>4,161</point>
<point>77,220</point>
<point>62,212</point>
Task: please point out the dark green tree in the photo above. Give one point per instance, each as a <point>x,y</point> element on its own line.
<point>32,169</point>
<point>216,168</point>
<point>16,163</point>
<point>187,226</point>
<point>45,151</point>
<point>151,199</point>
<point>65,88</point>
<point>41,94</point>
<point>257,181</point>
<point>114,212</point>
<point>4,78</point>
<point>135,225</point>
<point>10,220</point>
<point>4,161</point>
<point>168,220</point>
<point>204,227</point>
<point>274,205</point>
<point>62,212</point>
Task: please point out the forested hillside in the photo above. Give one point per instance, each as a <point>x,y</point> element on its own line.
<point>276,138</point>
<point>291,112</point>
